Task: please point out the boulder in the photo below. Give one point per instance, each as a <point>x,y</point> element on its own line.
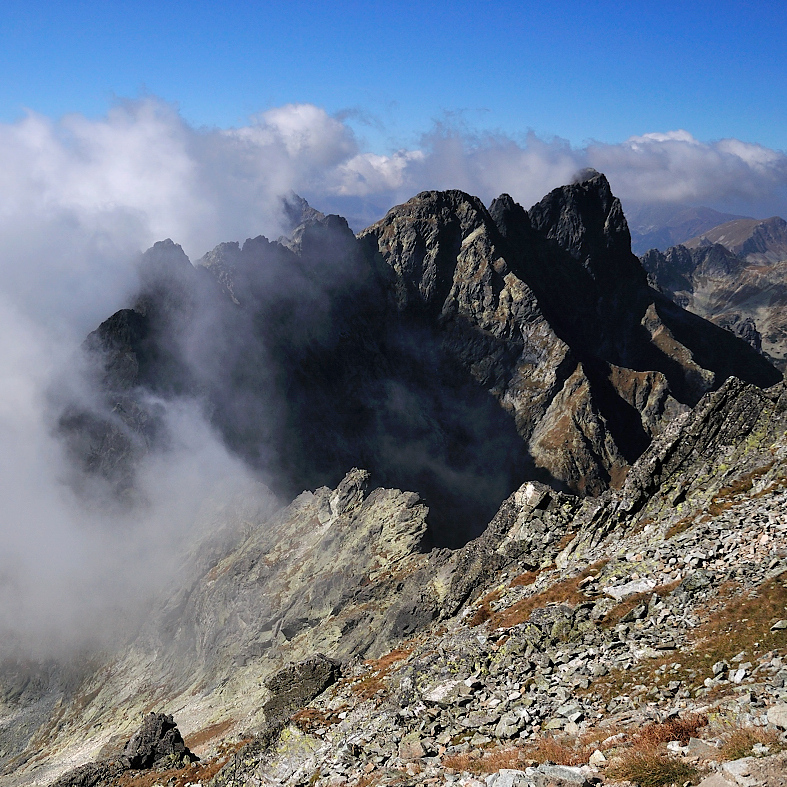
<point>297,684</point>
<point>777,715</point>
<point>158,739</point>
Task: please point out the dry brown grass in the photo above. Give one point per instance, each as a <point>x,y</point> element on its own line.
<point>484,611</point>
<point>565,592</point>
<point>488,762</point>
<point>200,738</point>
<point>646,766</point>
<point>735,621</point>
<point>619,611</point>
<point>481,615</point>
<point>371,779</point>
<point>723,499</point>
<point>310,719</point>
<point>740,741</point>
<point>366,687</point>
<point>741,621</point>
<point>566,540</point>
<point>560,751</point>
<point>680,729</point>
<point>681,526</point>
<point>525,579</point>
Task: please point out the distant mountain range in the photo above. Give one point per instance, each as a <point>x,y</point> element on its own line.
<point>664,225</point>
<point>735,275</point>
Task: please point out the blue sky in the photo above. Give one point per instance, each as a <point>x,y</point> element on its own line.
<point>580,71</point>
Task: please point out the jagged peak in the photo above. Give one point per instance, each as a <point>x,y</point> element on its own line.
<point>588,174</point>
<point>586,219</point>
<point>163,264</point>
<point>510,217</point>
<point>297,210</point>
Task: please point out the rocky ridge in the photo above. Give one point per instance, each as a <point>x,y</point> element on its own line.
<point>449,348</point>
<point>568,627</point>
<point>551,313</point>
<point>592,645</point>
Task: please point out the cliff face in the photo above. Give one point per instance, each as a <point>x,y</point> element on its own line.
<point>551,313</point>
<point>449,348</point>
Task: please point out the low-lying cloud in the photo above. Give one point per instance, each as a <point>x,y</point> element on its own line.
<point>80,198</point>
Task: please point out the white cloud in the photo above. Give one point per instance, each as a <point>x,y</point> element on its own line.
<point>676,167</point>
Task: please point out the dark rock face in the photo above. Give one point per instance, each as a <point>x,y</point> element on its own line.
<point>551,313</point>
<point>157,739</point>
<point>305,372</point>
<point>450,349</point>
<point>91,774</point>
<point>296,684</point>
<point>157,742</point>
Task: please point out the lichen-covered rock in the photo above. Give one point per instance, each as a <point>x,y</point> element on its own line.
<point>294,685</point>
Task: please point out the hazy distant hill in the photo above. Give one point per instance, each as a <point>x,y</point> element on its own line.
<point>665,225</point>
<point>756,241</point>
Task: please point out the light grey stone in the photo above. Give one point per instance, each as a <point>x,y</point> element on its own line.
<point>777,715</point>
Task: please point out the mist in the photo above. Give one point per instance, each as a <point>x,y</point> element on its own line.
<point>81,198</point>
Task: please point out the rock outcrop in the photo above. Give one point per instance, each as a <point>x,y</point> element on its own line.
<point>156,744</point>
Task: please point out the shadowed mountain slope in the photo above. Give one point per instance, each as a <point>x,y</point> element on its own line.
<point>450,349</point>
<point>552,314</point>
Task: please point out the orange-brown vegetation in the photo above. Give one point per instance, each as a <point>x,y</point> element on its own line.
<point>680,729</point>
<point>740,741</point>
<point>566,591</point>
<point>681,526</point>
<point>566,540</point>
<point>735,622</point>
<point>200,738</point>
<point>310,719</point>
<point>618,612</point>
<point>489,761</point>
<point>647,766</point>
<point>723,499</point>
<point>522,580</point>
<point>367,686</point>
<point>739,621</point>
<point>561,751</point>
<point>180,777</point>
<point>484,610</point>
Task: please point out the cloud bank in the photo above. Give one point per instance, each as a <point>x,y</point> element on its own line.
<point>80,198</point>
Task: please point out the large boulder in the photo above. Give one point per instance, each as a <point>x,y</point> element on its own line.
<point>157,739</point>
<point>296,684</point>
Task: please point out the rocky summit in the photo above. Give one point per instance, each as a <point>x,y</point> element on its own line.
<point>542,541</point>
